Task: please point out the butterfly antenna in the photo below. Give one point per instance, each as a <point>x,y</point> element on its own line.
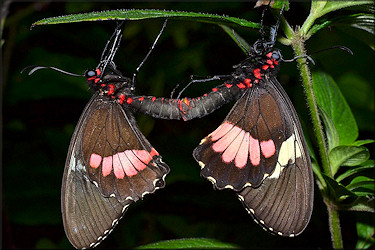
<point>149,52</point>
<point>34,68</point>
<point>335,47</point>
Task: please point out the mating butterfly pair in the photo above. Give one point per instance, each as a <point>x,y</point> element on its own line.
<point>259,150</point>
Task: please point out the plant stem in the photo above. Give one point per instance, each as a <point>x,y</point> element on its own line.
<point>334,225</point>
<point>299,50</point>
<point>298,44</point>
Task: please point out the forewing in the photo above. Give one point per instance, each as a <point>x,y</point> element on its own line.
<point>243,150</point>
<point>92,200</point>
<point>117,157</point>
<point>276,186</point>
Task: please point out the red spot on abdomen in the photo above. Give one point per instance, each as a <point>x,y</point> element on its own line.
<point>257,73</point>
<point>241,85</point>
<point>129,100</point>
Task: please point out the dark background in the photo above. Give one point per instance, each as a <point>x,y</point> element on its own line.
<point>41,111</point>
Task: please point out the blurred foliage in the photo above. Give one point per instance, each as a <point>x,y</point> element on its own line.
<point>40,112</point>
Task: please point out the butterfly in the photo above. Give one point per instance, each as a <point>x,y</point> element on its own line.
<point>110,164</point>
<point>259,151</point>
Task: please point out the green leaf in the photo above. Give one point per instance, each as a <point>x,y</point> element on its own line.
<point>369,164</point>
<point>321,8</point>
<point>362,204</point>
<point>333,137</point>
<point>365,231</point>
<point>139,14</point>
<point>336,191</point>
<point>347,156</point>
<point>237,38</point>
<point>362,182</point>
<point>362,142</point>
<point>195,243</point>
<point>330,99</point>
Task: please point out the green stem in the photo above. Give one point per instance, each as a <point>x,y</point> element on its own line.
<point>299,49</point>
<point>298,44</point>
<point>334,226</point>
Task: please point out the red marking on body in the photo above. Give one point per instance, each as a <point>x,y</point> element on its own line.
<point>98,72</point>
<point>97,80</point>
<point>129,100</point>
<point>228,85</point>
<point>153,98</point>
<point>180,101</point>
<point>154,152</point>
<point>269,55</point>
<point>214,89</point>
<point>121,98</point>
<point>256,81</point>
<point>268,148</point>
<point>102,85</point>
<point>141,99</point>
<point>91,78</point>
<point>247,82</point>
<point>95,160</point>
<point>221,131</point>
<point>107,165</point>
<point>231,151</point>
<point>222,144</point>
<point>272,66</point>
<point>186,101</point>
<point>254,151</point>
<point>257,73</point>
<point>243,152</point>
<point>270,62</point>
<point>111,89</point>
<point>275,62</point>
<point>241,85</point>
<point>205,94</point>
<point>265,67</point>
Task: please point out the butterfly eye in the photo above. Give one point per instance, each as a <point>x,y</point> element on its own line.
<point>276,55</point>
<point>90,73</point>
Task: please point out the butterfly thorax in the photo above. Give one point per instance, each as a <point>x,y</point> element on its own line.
<point>256,66</point>
<point>110,84</point>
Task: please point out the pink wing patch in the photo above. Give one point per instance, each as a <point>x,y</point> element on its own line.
<point>268,148</point>
<point>128,163</point>
<point>95,160</point>
<point>239,146</point>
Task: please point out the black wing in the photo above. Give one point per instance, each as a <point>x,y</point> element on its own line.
<point>260,152</point>
<point>109,165</point>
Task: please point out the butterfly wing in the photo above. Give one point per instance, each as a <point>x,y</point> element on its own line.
<point>109,165</point>
<point>259,151</point>
<point>284,202</point>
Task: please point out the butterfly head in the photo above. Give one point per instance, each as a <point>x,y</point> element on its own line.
<point>109,82</point>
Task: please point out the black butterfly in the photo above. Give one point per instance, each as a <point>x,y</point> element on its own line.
<point>110,163</point>
<point>259,150</point>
